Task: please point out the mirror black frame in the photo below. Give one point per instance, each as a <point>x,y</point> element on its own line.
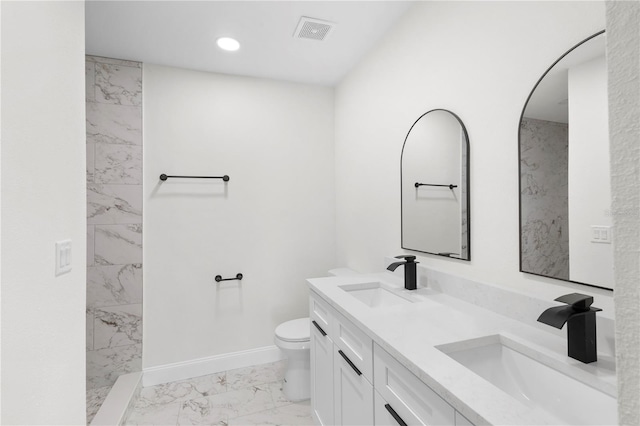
<point>520,165</point>
<point>467,183</point>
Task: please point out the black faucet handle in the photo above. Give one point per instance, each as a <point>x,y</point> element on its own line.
<point>579,302</point>
<point>407,257</point>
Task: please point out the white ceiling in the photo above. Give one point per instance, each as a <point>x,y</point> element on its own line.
<point>183,34</point>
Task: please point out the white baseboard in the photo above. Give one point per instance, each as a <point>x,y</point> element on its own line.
<point>214,364</point>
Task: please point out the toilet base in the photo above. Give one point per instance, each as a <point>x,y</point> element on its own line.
<point>297,377</point>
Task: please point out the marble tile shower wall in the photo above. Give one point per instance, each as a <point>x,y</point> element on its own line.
<point>544,194</point>
<point>114,219</point>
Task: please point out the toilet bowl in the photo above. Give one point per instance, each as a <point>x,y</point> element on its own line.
<point>294,339</point>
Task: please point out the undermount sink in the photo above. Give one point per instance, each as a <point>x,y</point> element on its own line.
<point>528,376</point>
<point>374,294</point>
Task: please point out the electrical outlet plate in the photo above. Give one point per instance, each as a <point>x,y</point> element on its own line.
<point>63,257</point>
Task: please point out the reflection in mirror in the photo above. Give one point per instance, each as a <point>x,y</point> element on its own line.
<point>435,186</point>
<point>565,198</point>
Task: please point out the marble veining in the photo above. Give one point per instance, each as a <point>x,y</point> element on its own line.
<point>105,365</point>
<point>118,84</point>
<point>95,398</point>
<point>113,61</point>
<point>90,80</point>
<point>117,164</point>
<point>117,326</point>
<point>90,161</point>
<point>291,414</point>
<point>250,376</point>
<point>90,319</point>
<point>116,124</point>
<point>114,217</point>
<point>111,204</point>
<point>118,244</point>
<point>213,399</point>
<point>181,390</point>
<point>544,197</point>
<point>91,232</point>
<point>114,285</point>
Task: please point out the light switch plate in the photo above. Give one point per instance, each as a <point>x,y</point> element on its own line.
<point>601,234</point>
<point>63,257</point>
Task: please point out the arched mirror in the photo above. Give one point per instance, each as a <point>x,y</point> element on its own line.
<point>435,186</point>
<point>565,198</point>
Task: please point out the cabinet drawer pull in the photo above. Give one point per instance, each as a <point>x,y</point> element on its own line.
<point>350,363</point>
<point>319,328</point>
<point>395,415</point>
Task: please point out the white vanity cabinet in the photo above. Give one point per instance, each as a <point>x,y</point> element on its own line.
<point>321,363</point>
<point>341,369</point>
<point>345,366</point>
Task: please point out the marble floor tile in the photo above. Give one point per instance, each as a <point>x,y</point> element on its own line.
<point>197,387</point>
<point>207,400</point>
<point>117,164</point>
<point>221,407</point>
<point>200,411</point>
<point>257,374</point>
<point>240,402</point>
<point>291,414</point>
<point>118,84</point>
<point>114,204</point>
<point>95,398</point>
<point>118,244</point>
<point>117,326</point>
<point>277,393</point>
<point>115,124</point>
<point>105,365</point>
<point>112,285</point>
<point>166,414</point>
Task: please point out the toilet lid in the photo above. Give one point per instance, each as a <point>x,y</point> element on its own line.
<point>294,331</point>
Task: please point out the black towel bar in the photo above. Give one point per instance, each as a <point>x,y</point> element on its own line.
<point>224,178</point>
<point>219,278</point>
<point>451,186</point>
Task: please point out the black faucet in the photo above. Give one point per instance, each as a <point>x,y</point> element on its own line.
<point>581,328</point>
<point>409,270</point>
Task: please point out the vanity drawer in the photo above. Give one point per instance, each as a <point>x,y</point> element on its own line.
<point>321,314</point>
<point>411,399</point>
<point>355,345</point>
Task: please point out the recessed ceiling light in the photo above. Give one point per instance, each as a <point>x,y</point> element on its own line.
<point>228,43</point>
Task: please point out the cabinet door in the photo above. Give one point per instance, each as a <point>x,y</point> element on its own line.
<point>385,415</point>
<point>354,343</point>
<point>353,394</point>
<point>320,313</point>
<point>321,377</point>
<point>410,398</point>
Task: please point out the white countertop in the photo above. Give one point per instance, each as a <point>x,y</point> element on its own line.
<point>411,332</point>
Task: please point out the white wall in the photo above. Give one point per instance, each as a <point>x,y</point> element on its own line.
<point>273,221</point>
<point>43,200</point>
<point>623,56</point>
<point>589,181</point>
<point>479,60</point>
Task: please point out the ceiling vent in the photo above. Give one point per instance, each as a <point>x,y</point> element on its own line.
<point>313,29</point>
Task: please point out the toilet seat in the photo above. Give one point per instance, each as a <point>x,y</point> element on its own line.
<point>294,331</point>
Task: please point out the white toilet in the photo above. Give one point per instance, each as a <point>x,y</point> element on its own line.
<point>294,339</point>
